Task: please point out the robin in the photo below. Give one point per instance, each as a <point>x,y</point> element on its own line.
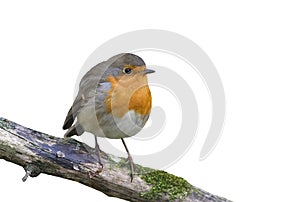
<point>114,101</point>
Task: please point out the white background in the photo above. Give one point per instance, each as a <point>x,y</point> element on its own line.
<point>254,45</point>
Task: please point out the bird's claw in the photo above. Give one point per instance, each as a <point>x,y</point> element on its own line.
<point>131,165</point>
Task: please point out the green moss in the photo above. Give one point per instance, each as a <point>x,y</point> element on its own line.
<point>163,183</point>
<point>140,170</point>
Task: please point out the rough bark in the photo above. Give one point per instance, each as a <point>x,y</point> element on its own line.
<point>40,153</point>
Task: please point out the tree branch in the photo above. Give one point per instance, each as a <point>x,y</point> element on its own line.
<point>39,153</point>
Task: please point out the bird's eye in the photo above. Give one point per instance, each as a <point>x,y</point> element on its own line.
<point>127,70</point>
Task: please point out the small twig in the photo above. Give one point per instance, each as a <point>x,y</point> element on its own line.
<point>27,173</point>
<point>32,171</point>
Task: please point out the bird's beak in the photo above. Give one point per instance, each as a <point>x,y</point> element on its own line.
<point>148,71</point>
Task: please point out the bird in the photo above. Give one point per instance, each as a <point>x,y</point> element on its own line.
<point>113,101</point>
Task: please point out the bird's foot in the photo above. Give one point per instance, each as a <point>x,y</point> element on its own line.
<point>131,164</point>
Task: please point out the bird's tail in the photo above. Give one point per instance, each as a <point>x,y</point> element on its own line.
<point>76,129</point>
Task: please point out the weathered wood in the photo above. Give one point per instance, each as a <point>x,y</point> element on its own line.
<point>39,153</point>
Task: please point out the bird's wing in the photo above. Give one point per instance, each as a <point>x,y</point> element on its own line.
<point>87,89</point>
<point>73,112</point>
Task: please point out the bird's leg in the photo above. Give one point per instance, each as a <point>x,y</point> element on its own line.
<point>129,159</point>
<point>98,154</point>
<point>98,151</point>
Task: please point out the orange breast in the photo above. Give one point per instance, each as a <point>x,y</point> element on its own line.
<point>141,101</point>
<point>129,94</point>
